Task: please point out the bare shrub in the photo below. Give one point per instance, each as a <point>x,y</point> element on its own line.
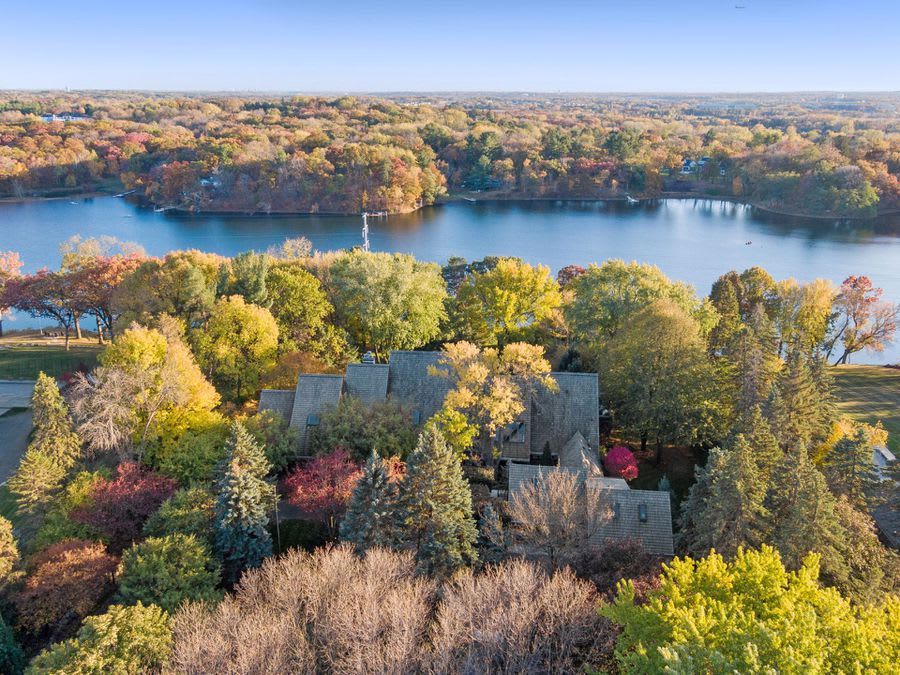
<point>617,560</point>
<point>327,611</point>
<point>553,518</point>
<point>514,618</point>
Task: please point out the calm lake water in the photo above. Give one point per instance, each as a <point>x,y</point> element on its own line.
<point>690,240</point>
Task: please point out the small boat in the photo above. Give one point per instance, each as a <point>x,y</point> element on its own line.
<point>469,199</point>
<point>75,203</point>
<point>747,243</point>
<point>631,200</point>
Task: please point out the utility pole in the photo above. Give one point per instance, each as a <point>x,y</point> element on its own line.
<point>365,232</point>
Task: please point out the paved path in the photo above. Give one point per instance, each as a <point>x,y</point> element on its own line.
<point>15,393</point>
<point>14,430</point>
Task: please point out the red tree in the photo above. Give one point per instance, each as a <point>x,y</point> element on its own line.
<point>322,488</point>
<point>620,462</point>
<point>96,280</point>
<point>70,577</point>
<point>45,294</point>
<point>568,273</point>
<point>119,507</point>
<point>863,320</point>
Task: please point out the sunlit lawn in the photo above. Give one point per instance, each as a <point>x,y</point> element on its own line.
<point>871,394</point>
<point>24,355</point>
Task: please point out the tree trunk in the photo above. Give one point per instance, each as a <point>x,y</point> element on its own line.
<point>78,327</point>
<point>658,451</point>
<point>644,442</point>
<point>67,337</point>
<point>99,331</point>
<point>1,327</point>
<point>843,359</point>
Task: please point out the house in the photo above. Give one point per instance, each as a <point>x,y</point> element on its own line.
<point>550,421</point>
<point>622,513</point>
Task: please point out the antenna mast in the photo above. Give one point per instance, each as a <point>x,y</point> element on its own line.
<point>365,232</point>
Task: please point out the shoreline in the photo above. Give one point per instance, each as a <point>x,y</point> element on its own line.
<point>463,197</point>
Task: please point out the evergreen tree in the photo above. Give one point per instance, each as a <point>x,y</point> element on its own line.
<point>491,537</point>
<point>794,407</point>
<point>369,520</point>
<point>732,514</point>
<point>435,507</point>
<point>754,427</point>
<point>241,515</point>
<point>53,450</point>
<point>803,515</point>
<point>851,471</point>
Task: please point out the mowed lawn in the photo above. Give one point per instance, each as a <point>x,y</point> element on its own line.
<point>871,394</point>
<point>23,359</point>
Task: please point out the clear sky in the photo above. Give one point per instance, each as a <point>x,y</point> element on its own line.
<point>351,45</point>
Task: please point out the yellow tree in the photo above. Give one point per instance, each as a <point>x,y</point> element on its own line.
<point>502,303</point>
<point>491,388</point>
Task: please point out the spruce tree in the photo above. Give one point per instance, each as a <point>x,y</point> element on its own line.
<point>434,517</point>
<point>369,520</point>
<point>733,514</point>
<point>851,471</point>
<point>491,537</point>
<point>793,409</point>
<point>53,450</point>
<point>754,427</point>
<point>242,539</point>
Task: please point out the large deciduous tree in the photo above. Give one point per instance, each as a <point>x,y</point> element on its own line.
<point>237,345</point>
<point>387,301</point>
<point>46,295</point>
<point>503,303</point>
<point>863,321</point>
<point>491,388</point>
<point>321,488</point>
<point>659,380</point>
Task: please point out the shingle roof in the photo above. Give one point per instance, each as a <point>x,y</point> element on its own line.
<point>575,408</point>
<point>280,401</point>
<point>577,453</point>
<point>620,517</point>
<point>410,385</point>
<point>367,381</point>
<point>528,473</point>
<point>314,395</point>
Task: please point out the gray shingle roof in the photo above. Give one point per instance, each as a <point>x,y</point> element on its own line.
<point>576,408</point>
<point>577,453</point>
<point>314,395</point>
<point>620,517</point>
<point>280,401</point>
<point>410,385</point>
<point>520,474</point>
<point>367,381</point>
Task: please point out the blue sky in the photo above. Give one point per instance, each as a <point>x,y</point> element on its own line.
<point>604,45</point>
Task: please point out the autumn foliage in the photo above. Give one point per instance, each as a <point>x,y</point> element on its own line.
<point>620,462</point>
<point>71,576</point>
<point>120,506</point>
<point>322,488</point>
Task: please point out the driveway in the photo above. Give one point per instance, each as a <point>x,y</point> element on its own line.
<point>14,429</point>
<point>15,394</point>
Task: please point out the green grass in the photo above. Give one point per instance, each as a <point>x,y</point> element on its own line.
<point>25,362</point>
<point>871,394</point>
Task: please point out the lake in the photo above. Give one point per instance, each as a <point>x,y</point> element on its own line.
<point>690,240</point>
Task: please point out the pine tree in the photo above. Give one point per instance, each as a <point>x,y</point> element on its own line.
<point>435,507</point>
<point>369,520</point>
<point>793,409</point>
<point>242,539</point>
<point>53,450</point>
<point>732,514</point>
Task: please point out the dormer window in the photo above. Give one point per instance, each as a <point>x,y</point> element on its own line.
<point>617,510</point>
<point>312,420</point>
<point>642,513</point>
<point>416,417</point>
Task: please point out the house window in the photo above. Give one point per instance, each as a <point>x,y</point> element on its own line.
<point>416,417</point>
<point>514,433</point>
<point>312,420</point>
<point>617,509</point>
<point>642,513</point>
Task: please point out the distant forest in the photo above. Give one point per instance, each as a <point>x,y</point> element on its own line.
<point>822,155</point>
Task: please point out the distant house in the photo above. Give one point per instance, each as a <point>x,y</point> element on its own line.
<point>549,423</point>
<point>689,166</point>
<point>882,458</point>
<point>64,117</point>
<point>623,514</point>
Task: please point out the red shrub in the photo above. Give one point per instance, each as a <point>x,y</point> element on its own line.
<point>620,462</point>
<point>70,576</point>
<point>322,488</point>
<point>120,506</point>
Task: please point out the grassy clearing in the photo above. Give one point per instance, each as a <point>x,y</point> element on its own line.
<point>24,355</point>
<point>871,394</point>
